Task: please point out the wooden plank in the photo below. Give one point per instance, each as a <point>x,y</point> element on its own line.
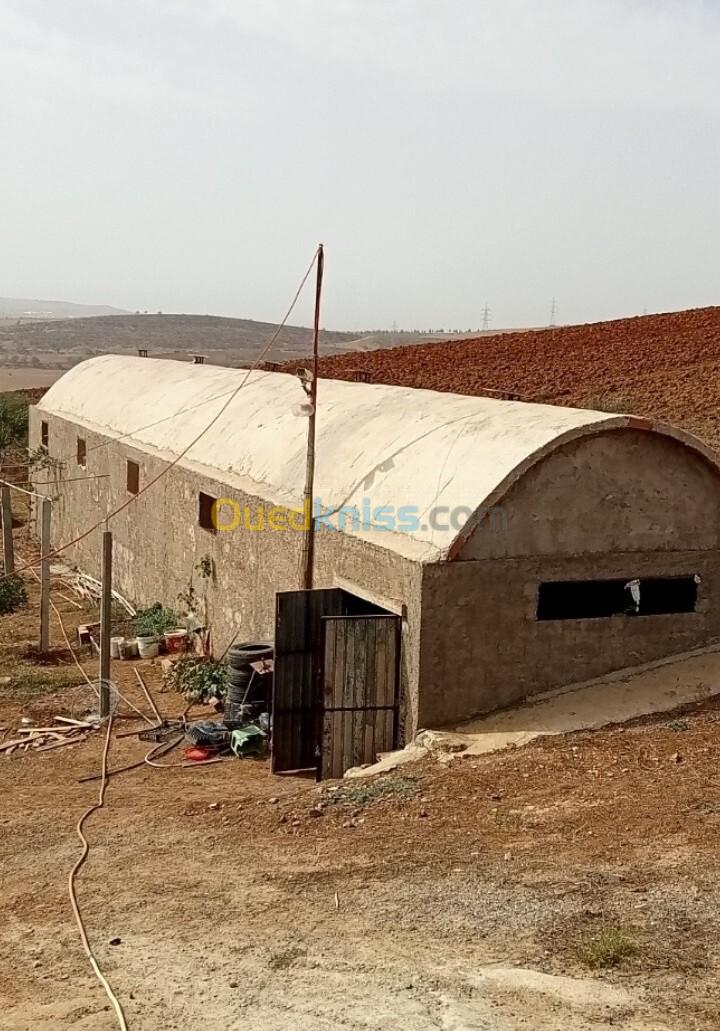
<point>348,658</point>
<point>338,673</point>
<point>105,622</point>
<point>371,718</point>
<point>45,548</point>
<point>7,746</point>
<point>146,692</point>
<point>328,669</point>
<point>62,744</point>
<point>359,687</point>
<point>8,544</point>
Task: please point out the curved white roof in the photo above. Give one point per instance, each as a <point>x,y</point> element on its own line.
<point>377,446</point>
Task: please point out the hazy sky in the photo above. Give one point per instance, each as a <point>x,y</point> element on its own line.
<point>188,155</point>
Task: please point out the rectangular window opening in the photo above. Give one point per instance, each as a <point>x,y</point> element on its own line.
<point>205,512</point>
<point>133,477</point>
<point>597,599</point>
<point>44,434</point>
<point>81,453</point>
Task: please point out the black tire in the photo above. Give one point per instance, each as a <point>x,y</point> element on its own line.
<point>239,676</point>
<point>242,654</point>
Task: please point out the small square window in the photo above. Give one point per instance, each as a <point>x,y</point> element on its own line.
<point>206,503</point>
<point>44,434</point>
<point>133,478</point>
<point>81,453</point>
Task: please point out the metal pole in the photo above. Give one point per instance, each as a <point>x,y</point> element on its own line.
<point>45,548</point>
<point>105,622</point>
<point>8,547</point>
<point>309,535</point>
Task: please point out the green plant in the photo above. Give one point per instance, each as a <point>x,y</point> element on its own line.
<point>608,948</point>
<point>363,793</point>
<point>154,621</point>
<point>13,420</point>
<point>39,459</point>
<point>197,678</point>
<point>28,684</point>
<point>206,567</point>
<point>12,594</point>
<point>188,597</point>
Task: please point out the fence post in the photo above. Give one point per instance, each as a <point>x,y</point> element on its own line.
<point>45,547</point>
<point>8,547</point>
<point>105,623</point>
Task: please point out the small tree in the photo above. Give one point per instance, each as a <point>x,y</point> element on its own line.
<point>13,421</point>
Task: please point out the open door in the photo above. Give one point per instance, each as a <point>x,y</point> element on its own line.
<point>296,709</point>
<point>336,685</point>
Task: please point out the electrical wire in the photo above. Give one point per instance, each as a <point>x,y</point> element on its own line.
<point>163,472</point>
<point>74,872</point>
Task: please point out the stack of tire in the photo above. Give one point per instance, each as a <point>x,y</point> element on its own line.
<point>241,700</point>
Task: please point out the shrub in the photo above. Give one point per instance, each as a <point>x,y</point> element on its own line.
<point>197,678</point>
<point>12,594</point>
<point>13,420</point>
<point>608,948</point>
<point>154,621</point>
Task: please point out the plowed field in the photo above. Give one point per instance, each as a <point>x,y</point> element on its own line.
<point>667,366</point>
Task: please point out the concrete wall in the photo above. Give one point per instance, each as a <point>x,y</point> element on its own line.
<point>621,490</point>
<point>483,648</point>
<point>622,504</point>
<point>157,541</point>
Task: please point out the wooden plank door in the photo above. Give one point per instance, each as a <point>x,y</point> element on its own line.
<point>296,702</point>
<point>361,690</point>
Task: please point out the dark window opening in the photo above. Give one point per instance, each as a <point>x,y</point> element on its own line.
<point>44,434</point>
<point>205,512</point>
<point>81,453</point>
<point>133,478</point>
<point>596,599</point>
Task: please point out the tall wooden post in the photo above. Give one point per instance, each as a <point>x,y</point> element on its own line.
<point>308,558</point>
<point>105,623</point>
<point>45,548</point>
<point>8,547</point>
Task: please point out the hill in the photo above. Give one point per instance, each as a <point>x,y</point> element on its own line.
<point>27,308</point>
<point>61,343</point>
<point>666,366</point>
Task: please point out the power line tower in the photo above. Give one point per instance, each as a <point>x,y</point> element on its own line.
<point>486,318</point>
<point>553,312</point>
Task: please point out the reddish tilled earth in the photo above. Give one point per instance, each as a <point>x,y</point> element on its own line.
<point>666,366</point>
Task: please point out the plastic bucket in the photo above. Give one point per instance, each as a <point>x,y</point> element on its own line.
<point>148,647</point>
<point>115,643</point>
<point>128,648</point>
<point>176,641</point>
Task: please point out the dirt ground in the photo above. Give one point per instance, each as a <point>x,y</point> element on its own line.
<point>27,378</point>
<point>476,894</point>
<point>662,366</point>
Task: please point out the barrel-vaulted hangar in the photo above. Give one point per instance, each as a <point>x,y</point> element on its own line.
<point>524,546</point>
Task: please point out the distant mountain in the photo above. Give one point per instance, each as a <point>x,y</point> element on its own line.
<point>31,308</point>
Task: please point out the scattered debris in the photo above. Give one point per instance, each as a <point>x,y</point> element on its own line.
<point>87,587</point>
<point>63,732</point>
